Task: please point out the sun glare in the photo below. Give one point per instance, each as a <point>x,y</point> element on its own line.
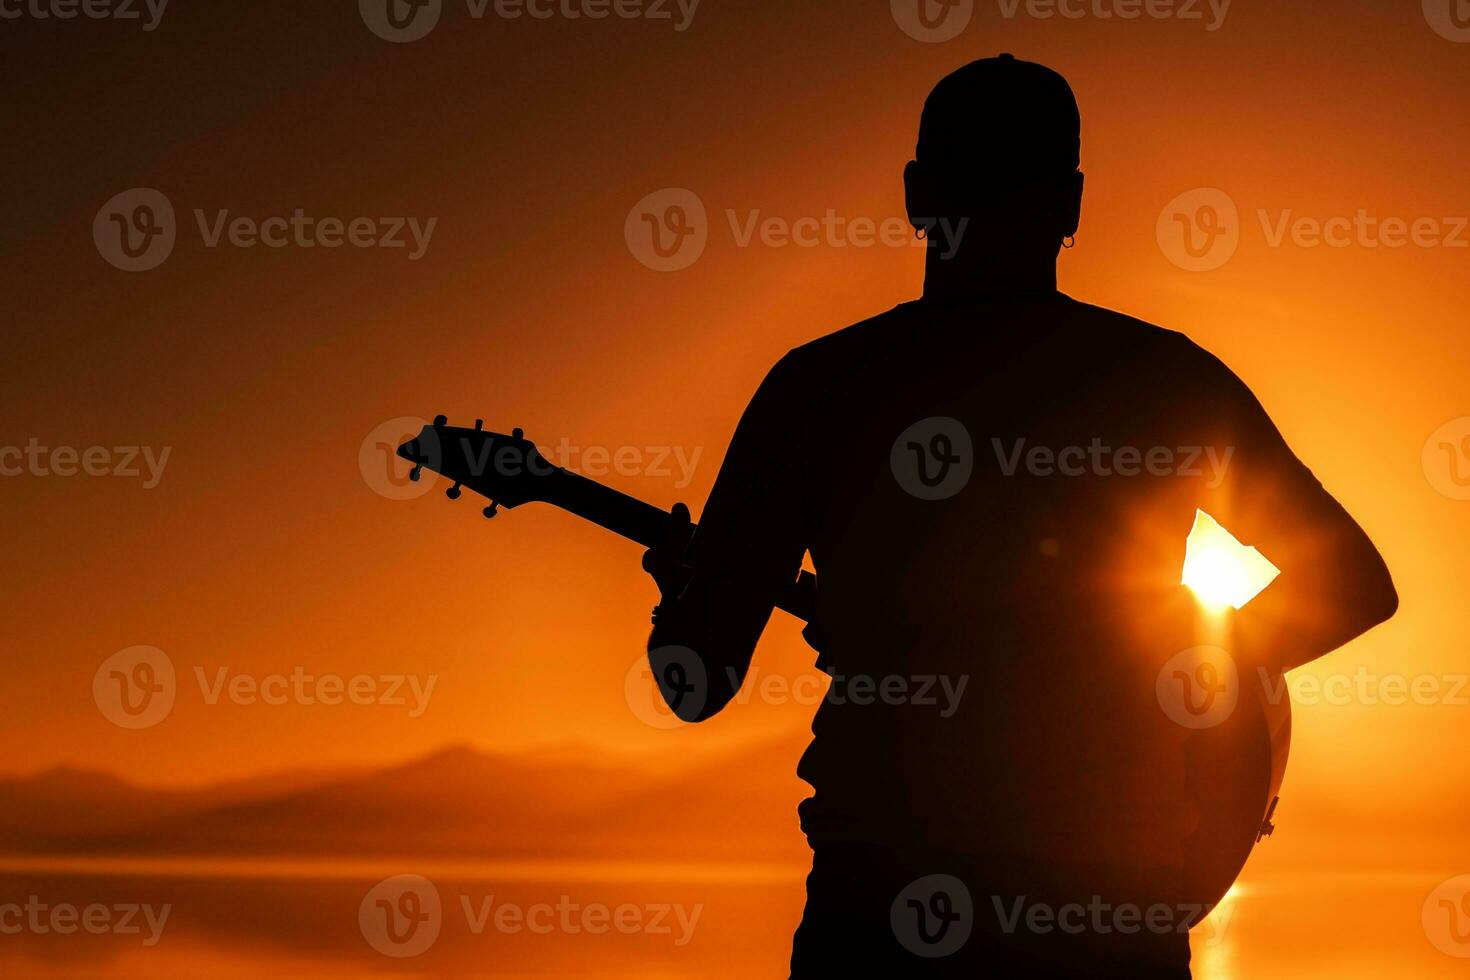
<point>1219,569</point>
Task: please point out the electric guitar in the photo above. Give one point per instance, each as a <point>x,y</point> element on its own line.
<point>1235,767</point>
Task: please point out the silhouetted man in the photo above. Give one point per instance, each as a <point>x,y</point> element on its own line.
<point>995,483</point>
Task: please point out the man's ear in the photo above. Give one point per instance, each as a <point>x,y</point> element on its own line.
<point>917,196</point>
<point>1072,204</point>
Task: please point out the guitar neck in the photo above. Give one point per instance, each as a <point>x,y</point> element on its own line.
<point>602,505</point>
<point>646,524</point>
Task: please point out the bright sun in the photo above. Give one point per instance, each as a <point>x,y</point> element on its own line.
<point>1222,571</point>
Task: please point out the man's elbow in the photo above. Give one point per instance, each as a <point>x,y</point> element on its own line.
<point>693,713</point>
<point>1387,601</point>
<point>693,689</point>
<point>1377,599</point>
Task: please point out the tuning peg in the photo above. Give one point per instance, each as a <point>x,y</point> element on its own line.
<point>453,492</point>
<point>440,421</point>
<point>516,434</point>
<point>491,511</point>
<point>479,424</point>
<point>416,472</point>
<point>1267,827</point>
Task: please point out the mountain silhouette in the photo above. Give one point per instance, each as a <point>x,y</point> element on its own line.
<point>456,802</point>
<point>66,801</point>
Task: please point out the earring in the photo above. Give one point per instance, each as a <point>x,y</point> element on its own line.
<point>1069,241</point>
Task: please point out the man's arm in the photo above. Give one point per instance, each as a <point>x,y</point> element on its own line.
<point>1333,584</point>
<point>747,547</point>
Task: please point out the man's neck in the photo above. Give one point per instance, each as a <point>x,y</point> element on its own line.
<point>947,282</point>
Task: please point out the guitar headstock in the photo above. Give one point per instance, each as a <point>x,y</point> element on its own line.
<point>508,470</point>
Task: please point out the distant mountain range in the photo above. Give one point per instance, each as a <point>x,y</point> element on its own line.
<point>569,803</point>
<point>457,802</point>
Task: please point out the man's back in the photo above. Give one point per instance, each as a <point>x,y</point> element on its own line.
<point>996,496</point>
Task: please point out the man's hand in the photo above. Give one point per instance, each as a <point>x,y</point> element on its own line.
<point>665,561</point>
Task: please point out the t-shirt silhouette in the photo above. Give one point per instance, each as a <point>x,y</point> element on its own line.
<point>1047,584</point>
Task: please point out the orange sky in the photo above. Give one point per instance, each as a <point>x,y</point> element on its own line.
<point>263,548</point>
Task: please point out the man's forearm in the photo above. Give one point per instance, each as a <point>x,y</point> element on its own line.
<point>1301,617</point>
<point>702,643</point>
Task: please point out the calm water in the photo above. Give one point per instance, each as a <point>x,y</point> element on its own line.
<point>263,919</point>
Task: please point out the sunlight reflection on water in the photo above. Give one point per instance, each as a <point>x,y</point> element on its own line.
<point>293,919</point>
<point>1322,925</point>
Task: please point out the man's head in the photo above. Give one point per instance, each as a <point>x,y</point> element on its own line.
<point>998,148</point>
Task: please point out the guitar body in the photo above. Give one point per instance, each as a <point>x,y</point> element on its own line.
<point>1234,769</point>
<point>1233,777</point>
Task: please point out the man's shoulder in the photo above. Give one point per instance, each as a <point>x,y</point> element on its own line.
<point>1164,353</point>
<point>838,354</point>
<point>866,336</point>
<point>877,336</point>
<point>1116,325</point>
